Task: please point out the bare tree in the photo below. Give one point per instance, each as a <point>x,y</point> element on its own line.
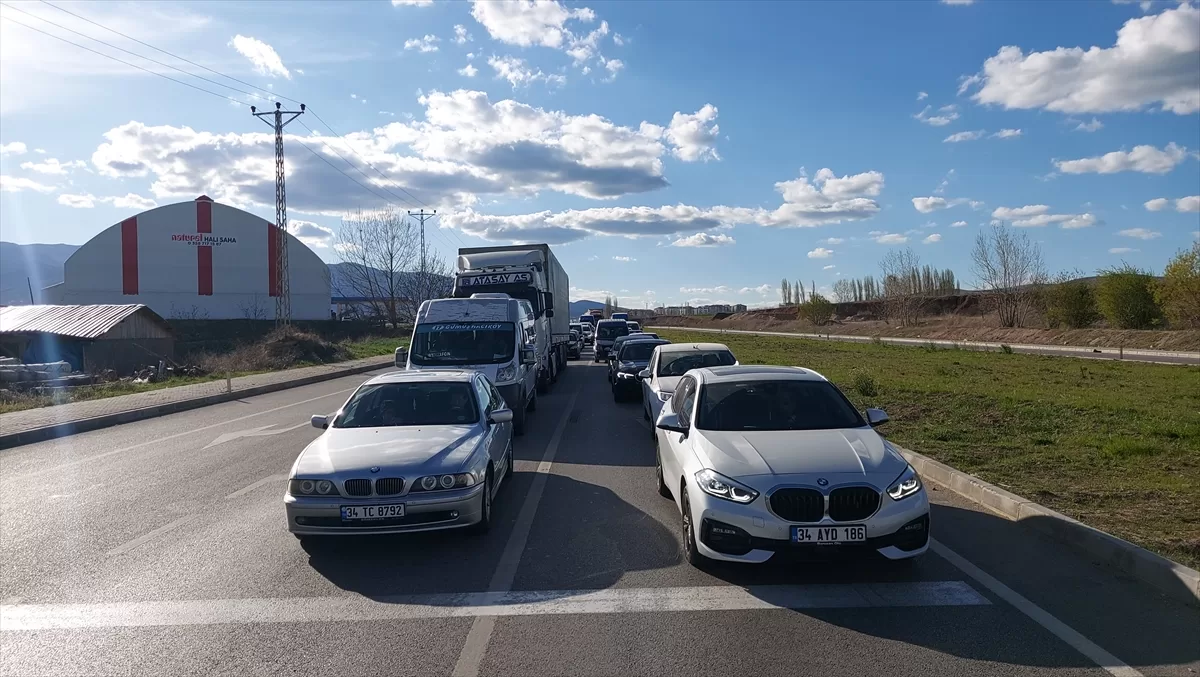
<point>379,246</point>
<point>902,297</point>
<point>843,291</point>
<point>416,287</point>
<point>254,309</point>
<point>1009,268</point>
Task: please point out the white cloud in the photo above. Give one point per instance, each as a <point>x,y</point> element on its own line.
<point>932,237</point>
<point>704,240</point>
<point>261,55</point>
<point>526,23</point>
<point>720,289</point>
<point>469,71</point>
<point>958,2</point>
<point>1155,61</point>
<point>820,253</point>
<point>959,224</point>
<point>1190,203</point>
<point>763,289</point>
<point>77,201</point>
<point>832,240</point>
<point>53,166</point>
<point>461,36</point>
<point>614,66</point>
<point>959,137</point>
<point>829,267</point>
<point>692,136</point>
<point>388,113</point>
<point>584,48</point>
<point>310,233</point>
<point>1140,233</point>
<point>947,114</point>
<point>16,184</point>
<point>1035,216</point>
<point>88,201</point>
<point>14,148</point>
<point>424,44</point>
<point>929,204</point>
<point>1093,126</point>
<point>975,204</point>
<point>1122,250</point>
<point>1157,204</point>
<point>890,238</point>
<point>921,96</point>
<point>1145,159</point>
<point>624,259</point>
<point>519,74</point>
<point>412,3</point>
<point>1007,134</point>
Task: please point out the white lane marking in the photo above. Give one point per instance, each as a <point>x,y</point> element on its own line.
<point>59,468</point>
<point>260,431</point>
<point>480,634</point>
<point>1061,630</point>
<point>485,605</point>
<point>264,481</point>
<point>141,540</point>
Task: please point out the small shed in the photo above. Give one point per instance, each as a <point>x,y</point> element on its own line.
<point>91,338</point>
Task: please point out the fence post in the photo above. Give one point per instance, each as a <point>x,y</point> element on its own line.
<point>1121,351</point>
<point>228,383</point>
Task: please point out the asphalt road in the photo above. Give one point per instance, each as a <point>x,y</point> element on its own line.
<point>1084,352</point>
<point>159,548</point>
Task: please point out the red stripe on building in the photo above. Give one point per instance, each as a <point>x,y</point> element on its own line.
<point>129,256</point>
<point>204,255</point>
<point>272,253</point>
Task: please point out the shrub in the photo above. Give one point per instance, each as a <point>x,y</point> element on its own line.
<point>1070,301</point>
<point>817,310</point>
<point>1179,291</point>
<point>864,383</point>
<point>1125,296</point>
<point>1006,349</point>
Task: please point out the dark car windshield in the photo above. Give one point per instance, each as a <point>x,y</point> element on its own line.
<point>638,351</point>
<point>462,343</point>
<point>678,364</point>
<point>775,405</point>
<point>611,330</point>
<point>404,404</point>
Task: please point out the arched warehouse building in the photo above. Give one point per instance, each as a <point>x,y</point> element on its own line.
<point>193,260</point>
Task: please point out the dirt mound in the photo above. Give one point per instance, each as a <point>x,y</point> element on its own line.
<point>283,348</point>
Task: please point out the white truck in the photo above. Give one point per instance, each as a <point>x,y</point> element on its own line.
<point>490,334</point>
<point>531,273</point>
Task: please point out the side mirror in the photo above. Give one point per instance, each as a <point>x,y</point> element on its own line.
<point>319,421</point>
<point>548,301</point>
<point>670,421</point>
<point>501,416</point>
<point>402,358</point>
<point>527,356</point>
<point>877,417</point>
<point>643,374</point>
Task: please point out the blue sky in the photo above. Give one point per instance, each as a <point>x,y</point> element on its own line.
<point>798,140</point>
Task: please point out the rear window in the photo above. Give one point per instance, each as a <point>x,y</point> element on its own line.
<point>775,405</point>
<point>638,351</point>
<point>678,364</point>
<point>611,330</point>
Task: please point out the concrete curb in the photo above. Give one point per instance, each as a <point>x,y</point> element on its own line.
<point>1174,579</point>
<point>117,418</point>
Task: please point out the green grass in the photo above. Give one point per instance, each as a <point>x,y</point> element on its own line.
<point>369,347</point>
<point>1113,444</point>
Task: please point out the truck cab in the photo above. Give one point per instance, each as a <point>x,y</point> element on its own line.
<point>488,333</point>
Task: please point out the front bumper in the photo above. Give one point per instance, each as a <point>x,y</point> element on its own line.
<point>751,533</point>
<point>312,516</point>
<point>627,383</point>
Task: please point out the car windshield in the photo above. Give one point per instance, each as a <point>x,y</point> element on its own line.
<point>407,404</point>
<point>462,343</point>
<point>638,351</point>
<point>611,330</point>
<point>678,364</point>
<point>775,405</point>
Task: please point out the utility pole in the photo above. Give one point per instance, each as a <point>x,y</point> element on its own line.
<point>283,302</point>
<point>423,216</point>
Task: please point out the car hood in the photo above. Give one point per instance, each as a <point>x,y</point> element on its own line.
<point>850,451</point>
<point>401,449</point>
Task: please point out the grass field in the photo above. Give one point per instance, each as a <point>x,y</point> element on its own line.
<point>1113,444</point>
<point>368,347</point>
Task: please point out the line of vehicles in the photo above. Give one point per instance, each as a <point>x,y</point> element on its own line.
<point>760,461</point>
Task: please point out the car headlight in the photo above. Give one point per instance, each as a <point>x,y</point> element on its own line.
<point>506,373</point>
<point>715,484</point>
<point>664,396</point>
<point>308,487</point>
<point>443,482</point>
<point>907,484</point>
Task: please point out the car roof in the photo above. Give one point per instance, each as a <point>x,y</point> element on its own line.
<point>755,372</point>
<point>695,348</point>
<point>612,321</point>
<point>424,376</point>
<point>655,341</point>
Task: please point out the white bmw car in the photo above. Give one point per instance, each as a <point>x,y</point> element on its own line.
<point>765,461</point>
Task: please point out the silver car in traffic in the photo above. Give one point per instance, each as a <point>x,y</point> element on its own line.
<point>409,451</point>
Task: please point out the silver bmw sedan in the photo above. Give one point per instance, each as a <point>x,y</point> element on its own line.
<point>409,451</point>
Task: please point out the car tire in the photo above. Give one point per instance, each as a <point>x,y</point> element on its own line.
<point>543,382</point>
<point>663,489</point>
<point>519,420</point>
<point>485,507</point>
<point>691,549</point>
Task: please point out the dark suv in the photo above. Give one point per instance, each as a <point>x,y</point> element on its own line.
<point>608,331</point>
<point>632,357</point>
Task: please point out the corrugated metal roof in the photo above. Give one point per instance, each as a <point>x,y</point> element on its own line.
<point>75,321</point>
